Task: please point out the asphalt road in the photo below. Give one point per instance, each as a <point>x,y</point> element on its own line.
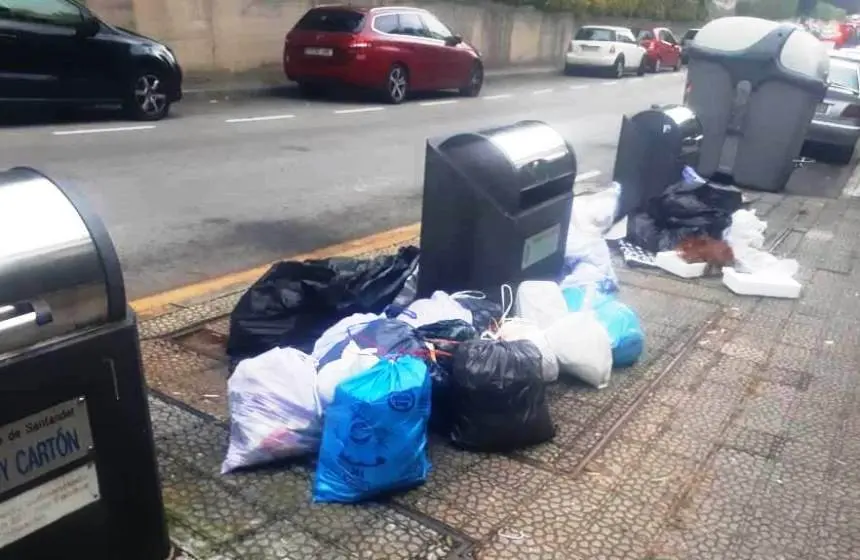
<point>225,186</point>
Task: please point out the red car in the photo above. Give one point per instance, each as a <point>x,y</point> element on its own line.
<point>392,50</point>
<point>662,49</point>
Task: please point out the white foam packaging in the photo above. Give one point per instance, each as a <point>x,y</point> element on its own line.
<point>671,262</point>
<point>766,284</point>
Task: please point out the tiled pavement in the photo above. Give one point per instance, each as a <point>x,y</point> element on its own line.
<point>736,437</point>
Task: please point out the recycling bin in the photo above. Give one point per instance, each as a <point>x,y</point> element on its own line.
<point>754,84</point>
<point>496,208</point>
<point>78,475</point>
<point>654,146</point>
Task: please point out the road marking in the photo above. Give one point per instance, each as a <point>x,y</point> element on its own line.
<point>579,87</point>
<point>587,175</point>
<point>256,119</point>
<point>608,83</point>
<point>440,102</point>
<point>100,130</point>
<point>499,96</point>
<point>542,91</point>
<point>360,110</point>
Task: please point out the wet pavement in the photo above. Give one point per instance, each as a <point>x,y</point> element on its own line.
<point>736,436</point>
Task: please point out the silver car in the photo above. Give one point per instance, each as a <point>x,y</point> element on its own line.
<point>836,123</point>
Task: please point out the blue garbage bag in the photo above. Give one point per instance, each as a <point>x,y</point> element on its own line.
<point>621,322</point>
<point>389,337</point>
<point>374,438</point>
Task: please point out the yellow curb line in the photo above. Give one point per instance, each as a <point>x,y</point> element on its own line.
<point>153,304</point>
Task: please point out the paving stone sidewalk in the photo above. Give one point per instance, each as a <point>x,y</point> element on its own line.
<point>736,437</point>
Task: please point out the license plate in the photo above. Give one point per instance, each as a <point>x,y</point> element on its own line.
<point>822,108</point>
<point>590,48</point>
<point>315,51</point>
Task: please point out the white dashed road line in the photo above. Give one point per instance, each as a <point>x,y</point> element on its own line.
<point>437,103</point>
<point>612,83</point>
<point>579,87</point>
<point>359,110</point>
<point>100,130</point>
<point>258,119</point>
<point>498,96</point>
<point>542,91</point>
<point>587,175</point>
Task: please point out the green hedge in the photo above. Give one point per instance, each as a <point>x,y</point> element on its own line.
<point>670,10</point>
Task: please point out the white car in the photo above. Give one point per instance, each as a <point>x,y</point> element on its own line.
<point>603,47</point>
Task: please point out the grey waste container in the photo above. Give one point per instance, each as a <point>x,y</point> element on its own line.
<point>754,84</point>
<point>78,476</point>
<point>496,208</point>
<point>654,146</point>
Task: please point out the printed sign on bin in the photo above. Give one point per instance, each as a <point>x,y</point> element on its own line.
<point>35,446</point>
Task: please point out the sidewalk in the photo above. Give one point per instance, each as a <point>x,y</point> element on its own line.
<point>736,437</point>
<point>271,81</point>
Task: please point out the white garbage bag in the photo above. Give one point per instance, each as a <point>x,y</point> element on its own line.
<point>745,236</point>
<point>522,329</point>
<point>583,347</point>
<point>353,361</point>
<point>438,307</point>
<point>540,302</point>
<point>340,331</point>
<point>274,410</point>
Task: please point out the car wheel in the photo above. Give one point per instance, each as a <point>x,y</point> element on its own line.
<point>657,66</point>
<point>618,68</point>
<point>569,70</point>
<point>397,84</point>
<point>147,100</point>
<point>643,66</point>
<point>476,82</point>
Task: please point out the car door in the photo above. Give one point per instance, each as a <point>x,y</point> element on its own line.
<point>453,62</point>
<point>417,51</point>
<point>670,49</point>
<point>632,51</point>
<point>39,47</point>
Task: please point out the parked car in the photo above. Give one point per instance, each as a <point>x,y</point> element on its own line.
<point>661,49</point>
<point>611,49</point>
<point>58,51</point>
<point>836,123</point>
<point>396,50</point>
<point>688,38</point>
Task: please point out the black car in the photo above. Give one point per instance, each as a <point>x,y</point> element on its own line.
<point>57,51</point>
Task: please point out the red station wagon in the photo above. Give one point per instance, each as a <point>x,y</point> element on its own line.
<point>392,50</point>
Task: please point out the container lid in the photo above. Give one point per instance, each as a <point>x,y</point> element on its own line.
<point>527,142</point>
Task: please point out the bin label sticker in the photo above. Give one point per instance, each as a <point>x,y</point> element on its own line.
<point>43,442</point>
<point>541,245</point>
<point>43,505</point>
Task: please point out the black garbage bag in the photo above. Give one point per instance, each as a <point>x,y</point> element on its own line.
<point>445,336</point>
<point>644,233</point>
<point>389,337</point>
<point>498,400</point>
<point>486,314</point>
<point>295,302</point>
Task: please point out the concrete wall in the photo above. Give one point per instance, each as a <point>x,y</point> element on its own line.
<point>212,36</point>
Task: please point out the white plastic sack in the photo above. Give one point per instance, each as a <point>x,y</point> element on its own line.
<point>353,361</point>
<point>745,236</point>
<point>339,332</point>
<point>521,329</point>
<point>586,255</point>
<point>274,410</point>
<point>438,307</point>
<point>583,348</point>
<point>593,214</point>
<point>540,302</point>
<point>746,230</point>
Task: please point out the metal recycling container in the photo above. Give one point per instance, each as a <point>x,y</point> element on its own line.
<point>496,208</point>
<point>754,84</point>
<point>653,148</point>
<point>78,476</point>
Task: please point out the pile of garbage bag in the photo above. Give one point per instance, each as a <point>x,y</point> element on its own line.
<point>338,360</point>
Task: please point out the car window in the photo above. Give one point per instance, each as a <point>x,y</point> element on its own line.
<point>386,24</point>
<point>666,35</point>
<point>625,38</point>
<point>690,35</point>
<point>336,21</point>
<point>56,12</point>
<point>844,74</point>
<point>411,24</point>
<point>595,34</point>
<point>436,28</point>
<point>646,35</point>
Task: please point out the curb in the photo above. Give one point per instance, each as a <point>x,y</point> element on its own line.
<point>252,90</point>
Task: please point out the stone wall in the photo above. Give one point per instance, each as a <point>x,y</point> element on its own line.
<point>212,36</point>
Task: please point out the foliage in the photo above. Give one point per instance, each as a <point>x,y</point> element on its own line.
<point>787,9</point>
<point>672,10</point>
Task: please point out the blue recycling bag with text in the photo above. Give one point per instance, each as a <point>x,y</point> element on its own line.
<point>374,438</point>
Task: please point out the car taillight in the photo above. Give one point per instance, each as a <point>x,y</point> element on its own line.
<point>359,45</point>
<point>852,112</point>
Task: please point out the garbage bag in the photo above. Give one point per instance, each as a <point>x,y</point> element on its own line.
<point>444,337</point>
<point>643,232</point>
<point>389,337</point>
<point>498,396</point>
<point>583,348</point>
<point>523,329</point>
<point>374,437</point>
<point>295,302</point>
<point>352,362</point>
<point>621,323</point>
<point>274,411</point>
<point>438,307</point>
<point>409,291</point>
<point>587,261</point>
<point>486,314</point>
<point>340,332</point>
<point>594,214</point>
<point>745,236</point>
<point>540,302</point>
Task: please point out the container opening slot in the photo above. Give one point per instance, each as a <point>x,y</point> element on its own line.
<point>538,194</point>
